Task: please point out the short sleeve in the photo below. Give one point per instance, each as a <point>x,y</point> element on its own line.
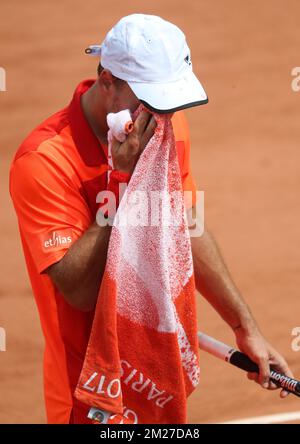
<point>182,137</point>
<point>52,214</point>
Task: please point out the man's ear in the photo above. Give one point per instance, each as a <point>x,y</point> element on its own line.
<point>106,78</point>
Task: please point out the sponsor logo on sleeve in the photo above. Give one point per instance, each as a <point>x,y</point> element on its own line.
<point>57,239</point>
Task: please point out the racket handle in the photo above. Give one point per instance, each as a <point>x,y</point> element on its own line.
<point>242,361</point>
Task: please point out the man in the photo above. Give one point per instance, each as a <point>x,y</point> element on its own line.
<point>57,174</point>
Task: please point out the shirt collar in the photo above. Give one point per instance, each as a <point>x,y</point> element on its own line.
<point>87,144</point>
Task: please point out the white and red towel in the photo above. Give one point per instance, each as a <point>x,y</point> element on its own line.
<point>142,358</point>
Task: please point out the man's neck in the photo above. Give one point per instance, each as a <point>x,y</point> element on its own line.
<point>95,116</point>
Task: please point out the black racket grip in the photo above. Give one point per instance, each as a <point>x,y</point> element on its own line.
<point>242,361</point>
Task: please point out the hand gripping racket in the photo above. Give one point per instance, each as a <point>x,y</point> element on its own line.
<point>242,361</point>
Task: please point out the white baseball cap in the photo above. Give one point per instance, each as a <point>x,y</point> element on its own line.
<point>152,56</point>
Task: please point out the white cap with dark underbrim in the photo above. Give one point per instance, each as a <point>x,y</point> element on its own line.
<point>152,56</point>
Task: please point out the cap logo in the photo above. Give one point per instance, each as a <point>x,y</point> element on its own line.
<point>188,60</point>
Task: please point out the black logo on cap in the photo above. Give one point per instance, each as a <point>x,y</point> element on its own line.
<point>188,60</point>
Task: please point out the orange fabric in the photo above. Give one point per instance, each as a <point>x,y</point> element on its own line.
<point>55,177</point>
<point>143,351</point>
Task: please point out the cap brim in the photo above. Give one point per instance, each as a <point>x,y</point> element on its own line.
<point>169,97</point>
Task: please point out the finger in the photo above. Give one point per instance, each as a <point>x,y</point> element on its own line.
<point>281,366</point>
<point>255,377</point>
<point>141,122</point>
<point>272,386</point>
<point>149,131</point>
<point>284,394</point>
<point>252,376</point>
<point>264,372</point>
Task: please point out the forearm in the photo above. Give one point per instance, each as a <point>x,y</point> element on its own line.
<point>214,282</point>
<point>78,275</point>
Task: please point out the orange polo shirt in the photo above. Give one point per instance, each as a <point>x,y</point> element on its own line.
<point>54,179</point>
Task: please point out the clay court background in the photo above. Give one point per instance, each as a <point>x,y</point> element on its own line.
<point>245,156</point>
